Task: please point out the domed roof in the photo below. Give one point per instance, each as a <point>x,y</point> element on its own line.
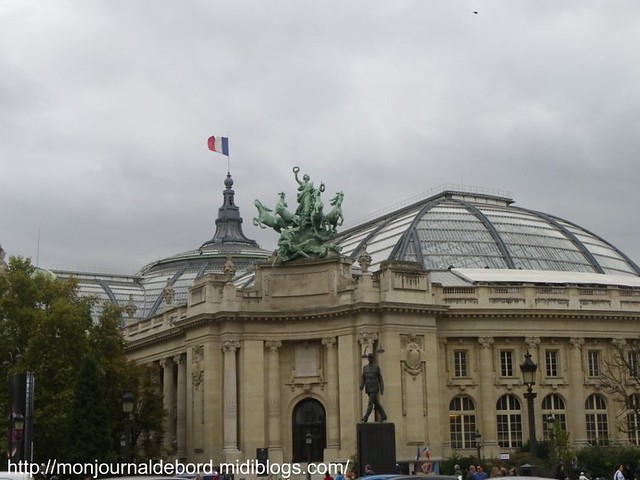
<point>483,230</point>
<point>143,295</point>
<point>179,271</point>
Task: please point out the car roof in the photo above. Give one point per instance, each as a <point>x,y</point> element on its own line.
<point>396,476</point>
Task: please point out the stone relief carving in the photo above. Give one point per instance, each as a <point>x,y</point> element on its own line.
<point>197,365</point>
<point>413,351</point>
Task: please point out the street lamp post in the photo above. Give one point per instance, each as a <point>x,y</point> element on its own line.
<point>529,369</point>
<point>550,420</point>
<point>478,437</point>
<point>308,440</point>
<point>127,408</point>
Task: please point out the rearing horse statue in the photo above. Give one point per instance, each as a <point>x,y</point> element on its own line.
<point>265,218</point>
<point>334,218</point>
<point>287,216</point>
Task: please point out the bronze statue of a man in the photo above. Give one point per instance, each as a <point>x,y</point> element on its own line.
<point>372,384</point>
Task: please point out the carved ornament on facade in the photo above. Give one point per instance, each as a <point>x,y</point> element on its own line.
<point>413,363</point>
<point>197,362</point>
<point>168,292</point>
<point>486,342</point>
<point>230,345</point>
<point>367,340</point>
<point>178,358</point>
<point>532,343</point>
<point>619,342</point>
<point>273,345</point>
<point>329,342</point>
<point>576,342</point>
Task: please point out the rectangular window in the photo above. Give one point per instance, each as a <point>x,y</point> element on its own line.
<point>633,427</point>
<point>632,359</point>
<point>506,363</point>
<point>460,363</point>
<point>509,430</point>
<point>463,428</point>
<point>593,358</point>
<point>597,428</point>
<point>551,363</point>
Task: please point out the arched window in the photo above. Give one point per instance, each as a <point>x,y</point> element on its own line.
<point>509,420</point>
<point>553,414</point>
<point>462,422</point>
<point>597,420</point>
<point>633,418</point>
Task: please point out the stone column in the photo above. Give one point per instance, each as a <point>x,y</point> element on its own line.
<point>230,449</point>
<point>273,392</point>
<point>181,408</point>
<point>575,412</point>
<point>168,403</point>
<point>487,421</point>
<point>617,361</point>
<point>332,451</point>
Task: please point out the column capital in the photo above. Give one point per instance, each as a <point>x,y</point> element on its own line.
<point>532,342</point>
<point>230,345</point>
<point>178,358</point>
<point>329,342</point>
<point>366,340</point>
<point>165,362</point>
<point>273,345</point>
<point>486,342</point>
<point>619,343</point>
<point>576,342</point>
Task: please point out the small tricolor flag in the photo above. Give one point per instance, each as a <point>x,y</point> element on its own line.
<point>219,144</point>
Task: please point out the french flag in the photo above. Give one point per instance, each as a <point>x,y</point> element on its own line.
<point>219,144</point>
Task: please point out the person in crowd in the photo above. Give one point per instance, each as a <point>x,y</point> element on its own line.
<point>471,473</point>
<point>560,473</point>
<point>619,475</point>
<point>480,473</point>
<point>495,472</point>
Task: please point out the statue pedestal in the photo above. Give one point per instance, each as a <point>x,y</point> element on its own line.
<point>377,447</point>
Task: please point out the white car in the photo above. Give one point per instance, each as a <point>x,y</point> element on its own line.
<point>15,476</point>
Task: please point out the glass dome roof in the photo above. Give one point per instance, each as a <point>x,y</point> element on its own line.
<point>478,230</point>
<point>143,293</point>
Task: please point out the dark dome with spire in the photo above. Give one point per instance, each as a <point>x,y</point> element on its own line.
<point>179,271</point>
<point>229,222</point>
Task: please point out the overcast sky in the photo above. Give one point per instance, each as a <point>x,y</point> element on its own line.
<point>106,106</point>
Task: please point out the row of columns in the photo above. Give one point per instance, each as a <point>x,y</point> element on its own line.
<point>174,391</point>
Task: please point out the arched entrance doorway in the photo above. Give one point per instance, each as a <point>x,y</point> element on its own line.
<point>309,431</point>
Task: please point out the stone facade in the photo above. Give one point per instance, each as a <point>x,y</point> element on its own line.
<point>265,366</point>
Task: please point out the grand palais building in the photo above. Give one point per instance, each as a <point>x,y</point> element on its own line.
<point>448,293</point>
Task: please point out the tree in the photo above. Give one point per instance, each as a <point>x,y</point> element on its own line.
<point>79,364</point>
<point>620,378</point>
<point>90,432</point>
<point>148,413</point>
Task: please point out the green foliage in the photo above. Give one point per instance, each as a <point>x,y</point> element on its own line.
<point>601,461</point>
<point>79,365</point>
<point>90,435</point>
<point>148,414</point>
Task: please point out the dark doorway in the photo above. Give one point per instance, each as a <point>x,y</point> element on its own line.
<point>309,431</point>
